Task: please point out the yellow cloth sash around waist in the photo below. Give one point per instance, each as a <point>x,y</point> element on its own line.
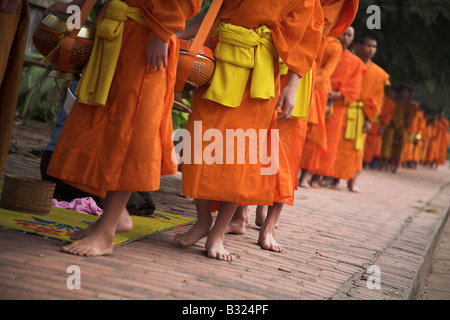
<point>355,123</point>
<point>235,57</point>
<point>303,95</point>
<point>95,82</point>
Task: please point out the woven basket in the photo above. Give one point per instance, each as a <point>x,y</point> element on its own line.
<point>26,194</point>
<point>200,74</point>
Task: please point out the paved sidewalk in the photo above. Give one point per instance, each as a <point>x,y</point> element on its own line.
<point>332,240</point>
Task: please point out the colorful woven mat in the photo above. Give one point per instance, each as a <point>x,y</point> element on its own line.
<point>60,223</point>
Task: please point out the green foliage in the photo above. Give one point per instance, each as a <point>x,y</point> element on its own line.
<point>38,97</point>
<point>412,45</point>
<point>179,119</point>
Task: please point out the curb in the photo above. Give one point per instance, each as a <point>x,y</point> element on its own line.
<point>424,268</point>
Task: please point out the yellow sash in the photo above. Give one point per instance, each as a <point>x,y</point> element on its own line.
<point>235,57</point>
<point>95,82</point>
<point>303,97</point>
<point>355,123</point>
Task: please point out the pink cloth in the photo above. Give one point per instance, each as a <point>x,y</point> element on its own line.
<point>83,205</point>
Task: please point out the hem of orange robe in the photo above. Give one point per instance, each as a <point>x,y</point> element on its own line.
<point>234,200</point>
<point>101,192</point>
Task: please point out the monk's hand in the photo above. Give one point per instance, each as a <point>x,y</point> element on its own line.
<point>367,126</point>
<point>287,97</point>
<point>334,95</point>
<point>157,52</point>
<point>9,6</point>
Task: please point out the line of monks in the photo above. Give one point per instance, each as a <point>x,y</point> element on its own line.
<point>392,129</point>
<point>265,52</point>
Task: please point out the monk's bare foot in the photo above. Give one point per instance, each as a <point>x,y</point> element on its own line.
<point>314,184</point>
<point>304,184</point>
<point>125,224</point>
<point>193,235</point>
<point>261,213</point>
<point>239,221</point>
<point>352,187</point>
<point>236,227</point>
<point>335,187</point>
<point>96,244</point>
<point>325,183</point>
<point>215,249</point>
<point>267,241</point>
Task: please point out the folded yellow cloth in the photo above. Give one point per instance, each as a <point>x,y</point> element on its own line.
<point>235,57</point>
<point>303,97</point>
<point>355,123</point>
<point>95,82</point>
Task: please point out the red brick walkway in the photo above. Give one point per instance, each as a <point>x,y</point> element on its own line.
<point>331,239</point>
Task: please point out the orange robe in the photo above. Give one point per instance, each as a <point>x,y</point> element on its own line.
<point>347,79</point>
<point>338,15</point>
<point>292,138</point>
<point>410,134</point>
<point>244,182</point>
<point>401,121</point>
<point>419,125</point>
<point>373,144</point>
<point>127,144</point>
<point>426,137</point>
<point>443,141</point>
<point>348,159</point>
<point>431,154</point>
<point>13,35</point>
<point>316,137</point>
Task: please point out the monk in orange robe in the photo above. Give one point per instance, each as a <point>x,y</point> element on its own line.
<point>249,183</point>
<point>420,125</point>
<point>100,149</point>
<point>14,16</point>
<point>345,84</point>
<point>338,15</point>
<point>412,151</point>
<point>386,130</point>
<point>433,145</point>
<point>441,154</point>
<point>410,138</point>
<point>426,133</point>
<point>372,148</point>
<point>316,137</point>
<point>349,159</point>
<point>401,121</point>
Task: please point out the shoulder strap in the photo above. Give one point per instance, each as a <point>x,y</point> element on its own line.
<point>66,45</point>
<point>199,41</point>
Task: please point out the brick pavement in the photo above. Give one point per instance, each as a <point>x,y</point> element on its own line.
<point>331,238</point>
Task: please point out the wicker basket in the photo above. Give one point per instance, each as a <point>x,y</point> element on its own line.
<point>46,36</point>
<point>26,194</point>
<point>200,74</point>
